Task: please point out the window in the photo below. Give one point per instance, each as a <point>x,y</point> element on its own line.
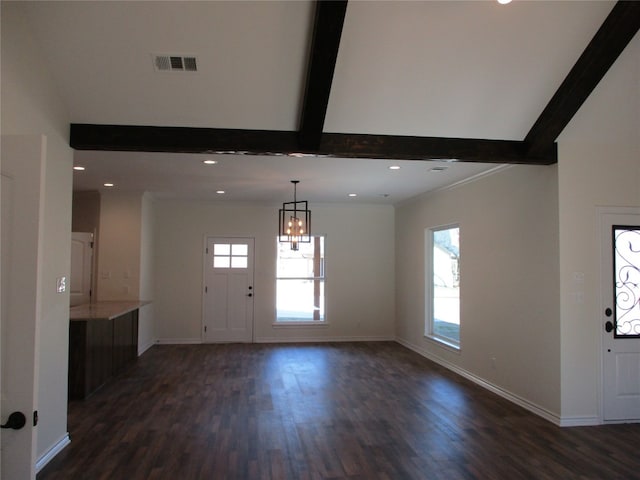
<point>300,282</point>
<point>233,255</point>
<point>443,280</point>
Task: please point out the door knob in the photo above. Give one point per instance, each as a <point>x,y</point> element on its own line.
<point>608,326</point>
<point>16,421</point>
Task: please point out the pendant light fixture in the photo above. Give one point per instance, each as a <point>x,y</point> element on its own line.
<point>294,222</point>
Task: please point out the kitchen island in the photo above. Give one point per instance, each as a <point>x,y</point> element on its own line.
<point>103,341</point>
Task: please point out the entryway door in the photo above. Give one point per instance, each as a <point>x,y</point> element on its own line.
<point>620,234</point>
<point>22,207</point>
<point>228,290</point>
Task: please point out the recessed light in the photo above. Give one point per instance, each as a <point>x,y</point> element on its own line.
<point>504,2</point>
<point>394,167</point>
<point>78,167</point>
<point>210,162</point>
<point>219,192</point>
<point>353,194</point>
<point>109,185</point>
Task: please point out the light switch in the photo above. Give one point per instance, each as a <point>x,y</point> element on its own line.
<point>61,284</point>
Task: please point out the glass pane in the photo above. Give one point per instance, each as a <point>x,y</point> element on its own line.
<point>221,249</point>
<point>446,284</point>
<point>239,249</point>
<point>238,262</point>
<point>221,262</point>
<point>300,263</point>
<point>626,266</point>
<point>295,300</point>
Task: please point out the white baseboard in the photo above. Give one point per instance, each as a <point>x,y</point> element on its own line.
<point>304,339</point>
<point>178,341</point>
<point>579,421</point>
<point>52,452</point>
<point>507,395</point>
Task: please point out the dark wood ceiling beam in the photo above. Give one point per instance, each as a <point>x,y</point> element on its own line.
<point>272,142</point>
<point>616,32</point>
<point>327,30</point>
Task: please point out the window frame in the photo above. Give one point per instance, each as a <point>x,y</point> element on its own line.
<point>323,278</point>
<point>429,332</point>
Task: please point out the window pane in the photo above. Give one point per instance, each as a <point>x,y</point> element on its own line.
<point>295,300</point>
<point>626,266</point>
<point>300,263</point>
<point>221,249</point>
<point>300,282</point>
<point>220,262</point>
<point>240,249</point>
<point>238,262</point>
<point>446,284</point>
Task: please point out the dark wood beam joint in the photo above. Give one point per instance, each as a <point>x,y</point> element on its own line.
<point>272,142</point>
<point>327,30</point>
<point>616,32</point>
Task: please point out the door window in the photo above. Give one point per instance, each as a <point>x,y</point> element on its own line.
<point>626,281</point>
<point>226,255</point>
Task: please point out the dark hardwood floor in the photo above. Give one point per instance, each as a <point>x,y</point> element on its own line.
<point>321,411</point>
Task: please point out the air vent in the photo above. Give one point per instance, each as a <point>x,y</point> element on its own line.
<point>175,63</point>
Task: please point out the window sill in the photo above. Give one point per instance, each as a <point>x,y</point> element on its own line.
<point>444,343</point>
<point>299,324</point>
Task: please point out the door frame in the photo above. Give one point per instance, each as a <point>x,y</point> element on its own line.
<point>603,214</point>
<point>205,242</point>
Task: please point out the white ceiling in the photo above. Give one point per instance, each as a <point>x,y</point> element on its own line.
<point>469,69</point>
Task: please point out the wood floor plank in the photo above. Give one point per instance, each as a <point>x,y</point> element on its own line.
<point>371,410</point>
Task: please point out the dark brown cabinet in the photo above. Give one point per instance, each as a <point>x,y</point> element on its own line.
<point>99,349</point>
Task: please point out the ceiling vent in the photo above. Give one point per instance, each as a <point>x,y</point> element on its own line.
<point>175,63</point>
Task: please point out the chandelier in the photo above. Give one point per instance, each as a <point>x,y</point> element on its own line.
<point>294,222</point>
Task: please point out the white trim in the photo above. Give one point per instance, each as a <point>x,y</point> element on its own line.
<point>179,341</point>
<point>310,323</point>
<point>52,452</point>
<point>507,395</point>
<point>382,338</point>
<point>575,421</point>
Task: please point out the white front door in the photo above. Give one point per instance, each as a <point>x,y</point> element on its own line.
<point>228,290</point>
<point>620,233</point>
<point>22,170</point>
<point>81,262</point>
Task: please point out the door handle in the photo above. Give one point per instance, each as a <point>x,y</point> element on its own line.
<point>608,326</point>
<point>16,421</point>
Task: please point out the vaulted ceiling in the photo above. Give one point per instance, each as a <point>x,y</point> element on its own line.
<point>330,93</point>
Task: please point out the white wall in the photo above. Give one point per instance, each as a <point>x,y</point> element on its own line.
<point>119,244</point>
<point>359,268</point>
<point>509,281</point>
<point>146,324</point>
<point>30,105</point>
<point>599,165</point>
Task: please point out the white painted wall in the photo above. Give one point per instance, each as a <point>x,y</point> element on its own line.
<point>359,268</point>
<point>119,256</point>
<point>146,325</point>
<point>599,166</point>
<point>30,105</point>
<point>509,281</point>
